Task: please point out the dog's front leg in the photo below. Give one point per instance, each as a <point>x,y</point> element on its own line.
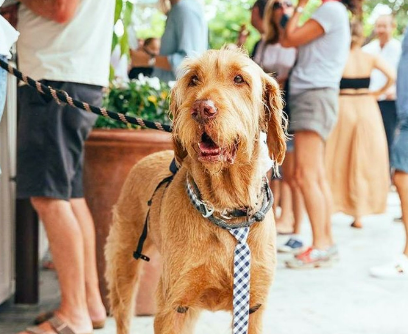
<point>173,322</point>
<point>255,321</point>
<point>172,318</point>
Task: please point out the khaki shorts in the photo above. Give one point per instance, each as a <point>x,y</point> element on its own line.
<point>314,110</point>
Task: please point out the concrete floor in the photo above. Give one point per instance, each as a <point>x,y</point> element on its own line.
<point>339,300</point>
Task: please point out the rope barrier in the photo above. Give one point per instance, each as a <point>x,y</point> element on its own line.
<point>61,96</point>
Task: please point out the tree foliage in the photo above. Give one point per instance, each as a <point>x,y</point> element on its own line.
<point>399,9</point>
<point>227,17</point>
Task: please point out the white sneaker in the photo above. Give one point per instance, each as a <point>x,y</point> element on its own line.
<point>398,269</point>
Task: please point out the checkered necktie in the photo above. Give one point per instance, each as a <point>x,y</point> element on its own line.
<point>242,266</point>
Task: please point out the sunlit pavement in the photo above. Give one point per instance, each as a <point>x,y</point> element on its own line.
<point>343,299</point>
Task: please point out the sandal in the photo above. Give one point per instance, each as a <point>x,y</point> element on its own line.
<point>57,325</point>
<point>45,316</point>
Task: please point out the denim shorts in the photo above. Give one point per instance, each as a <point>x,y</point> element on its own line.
<point>399,152</point>
<point>314,110</point>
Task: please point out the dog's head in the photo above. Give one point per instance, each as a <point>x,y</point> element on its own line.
<point>220,104</point>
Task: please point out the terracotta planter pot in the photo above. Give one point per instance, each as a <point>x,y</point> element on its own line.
<point>109,156</point>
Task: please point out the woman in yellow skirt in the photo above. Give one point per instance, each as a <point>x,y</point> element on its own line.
<point>356,153</point>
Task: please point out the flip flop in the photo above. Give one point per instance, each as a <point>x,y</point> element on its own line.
<point>58,325</point>
<point>45,316</point>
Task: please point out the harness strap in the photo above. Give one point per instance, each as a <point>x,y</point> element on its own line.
<point>207,211</point>
<point>138,253</point>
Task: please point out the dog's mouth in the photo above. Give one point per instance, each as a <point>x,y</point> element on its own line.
<point>211,152</point>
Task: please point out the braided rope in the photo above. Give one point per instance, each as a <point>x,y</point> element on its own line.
<point>61,96</point>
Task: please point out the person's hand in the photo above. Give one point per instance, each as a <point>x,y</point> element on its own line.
<point>139,58</point>
<point>391,94</point>
<point>242,35</point>
<point>376,94</point>
<point>10,13</point>
<point>302,3</point>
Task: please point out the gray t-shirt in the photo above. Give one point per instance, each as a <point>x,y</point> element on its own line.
<point>321,62</point>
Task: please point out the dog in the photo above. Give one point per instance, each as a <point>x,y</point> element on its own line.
<point>220,105</point>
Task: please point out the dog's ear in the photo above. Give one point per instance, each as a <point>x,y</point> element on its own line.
<point>276,122</point>
<point>179,152</point>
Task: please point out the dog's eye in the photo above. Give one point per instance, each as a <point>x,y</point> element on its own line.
<point>239,79</point>
<point>194,81</point>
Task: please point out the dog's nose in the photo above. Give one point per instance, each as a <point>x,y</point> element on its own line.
<point>203,110</point>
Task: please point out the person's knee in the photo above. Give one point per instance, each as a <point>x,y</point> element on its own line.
<point>291,180</point>
<point>45,205</point>
<point>306,176</point>
<point>401,180</point>
<point>40,204</point>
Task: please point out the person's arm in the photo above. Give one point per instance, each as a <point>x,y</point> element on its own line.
<point>187,31</point>
<point>388,71</point>
<point>60,11</point>
<point>294,36</point>
<point>141,59</point>
<point>190,37</point>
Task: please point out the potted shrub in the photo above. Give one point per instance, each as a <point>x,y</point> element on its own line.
<point>114,147</point>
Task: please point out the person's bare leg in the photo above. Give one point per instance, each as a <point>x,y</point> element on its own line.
<point>298,210</point>
<point>310,176</point>
<point>328,197</point>
<point>357,223</point>
<point>284,224</point>
<point>298,206</point>
<point>81,211</point>
<point>67,248</point>
<point>401,182</point>
<point>275,185</point>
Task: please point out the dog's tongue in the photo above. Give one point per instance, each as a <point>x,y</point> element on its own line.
<point>207,146</point>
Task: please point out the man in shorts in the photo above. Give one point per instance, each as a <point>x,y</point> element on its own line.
<point>389,49</point>
<point>65,44</point>
<point>398,269</point>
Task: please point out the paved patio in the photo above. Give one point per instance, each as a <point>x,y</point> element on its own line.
<point>339,300</point>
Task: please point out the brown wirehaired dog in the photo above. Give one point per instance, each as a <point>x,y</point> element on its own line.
<point>219,106</point>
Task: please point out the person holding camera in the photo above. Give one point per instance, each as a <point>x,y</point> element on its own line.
<point>270,55</point>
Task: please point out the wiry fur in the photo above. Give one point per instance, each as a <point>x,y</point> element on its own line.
<point>198,256</point>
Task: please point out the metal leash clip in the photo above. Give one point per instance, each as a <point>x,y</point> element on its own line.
<point>207,208</point>
<point>224,214</point>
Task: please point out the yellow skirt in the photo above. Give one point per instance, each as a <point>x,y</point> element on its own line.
<point>357,158</point>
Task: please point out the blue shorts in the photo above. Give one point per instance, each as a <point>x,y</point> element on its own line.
<point>399,152</point>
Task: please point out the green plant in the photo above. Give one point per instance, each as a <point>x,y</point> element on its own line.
<point>147,98</point>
